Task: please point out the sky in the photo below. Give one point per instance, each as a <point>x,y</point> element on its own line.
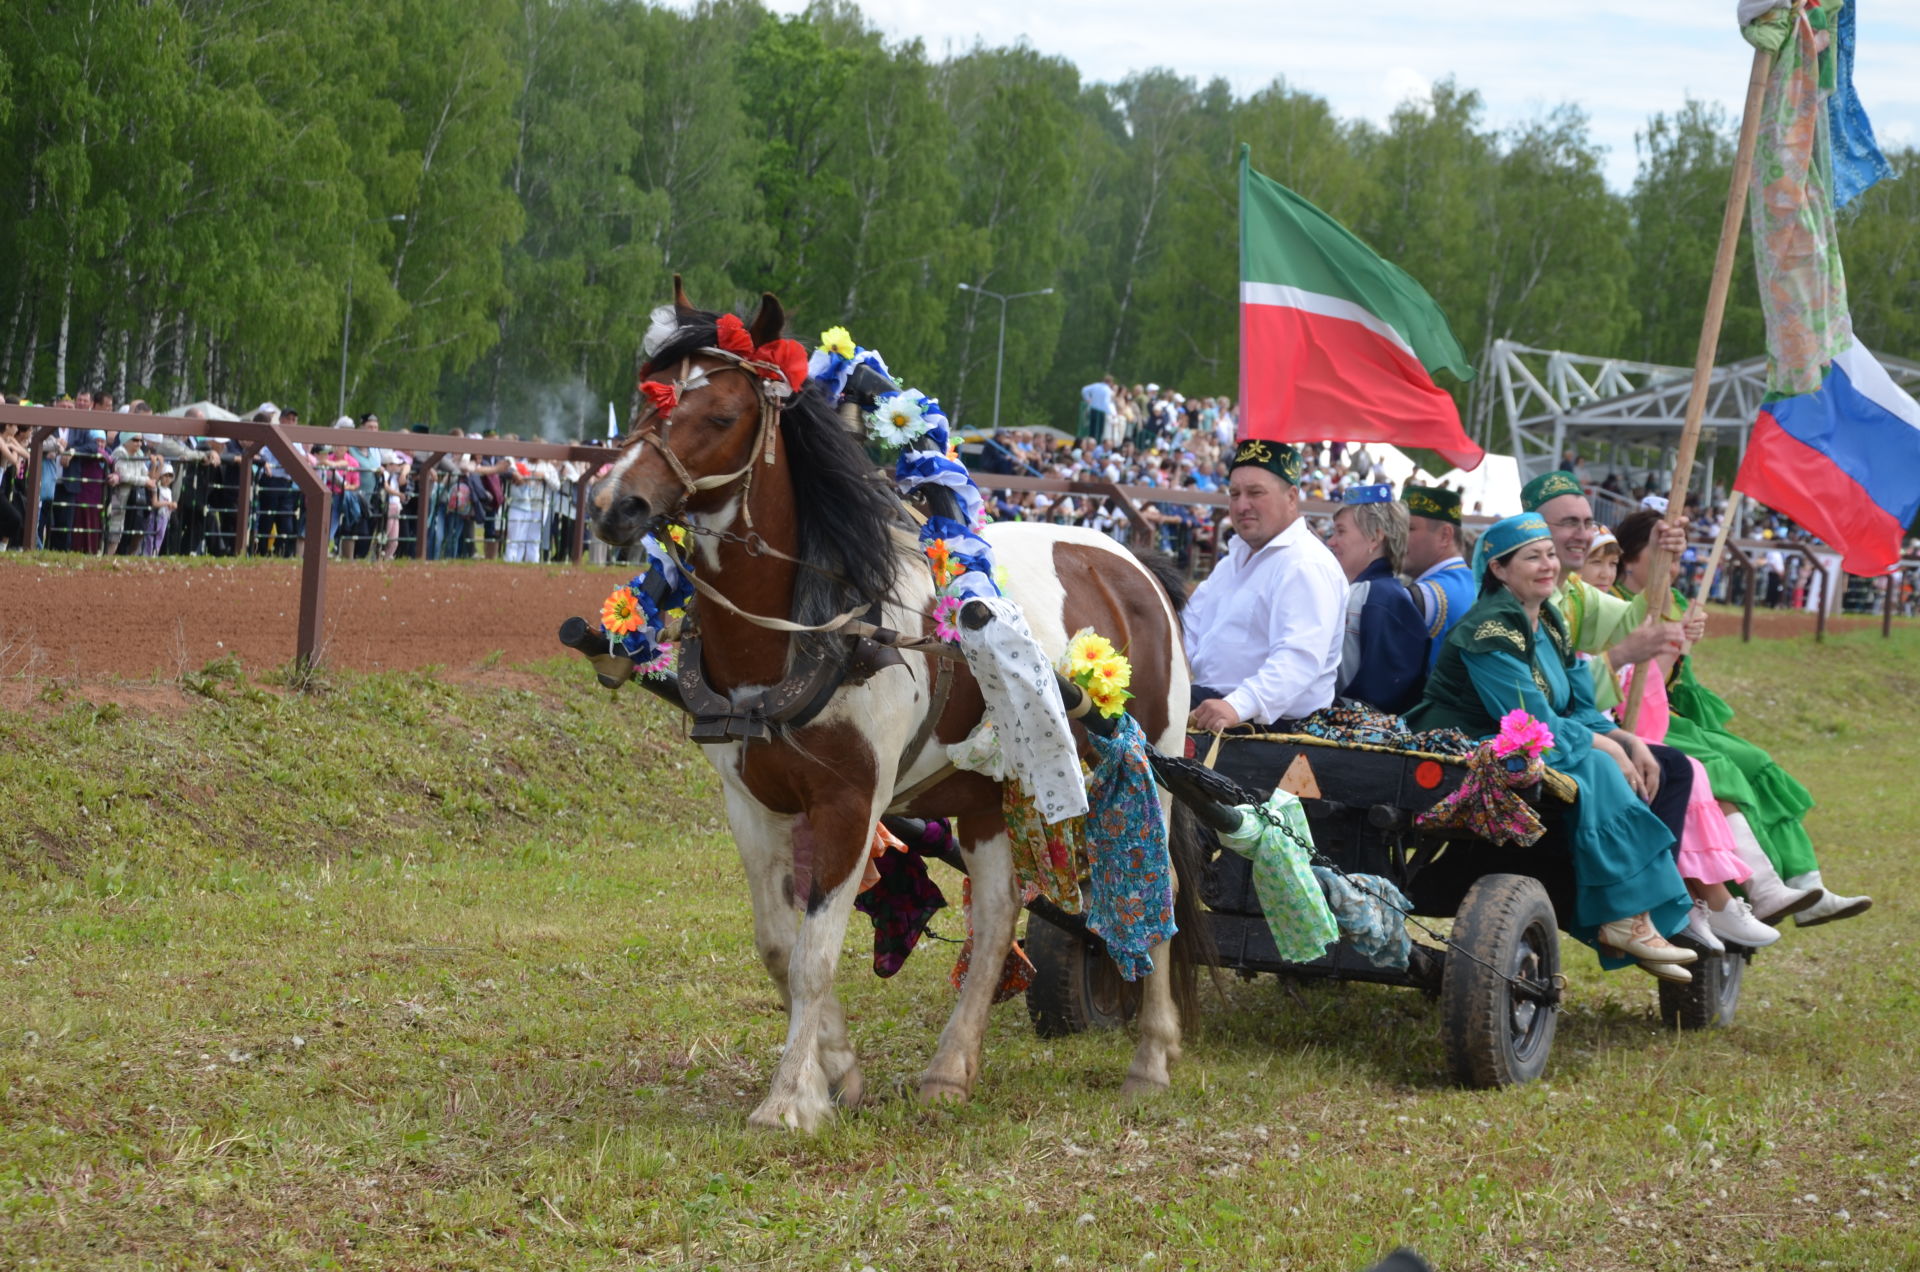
<point>1621,62</point>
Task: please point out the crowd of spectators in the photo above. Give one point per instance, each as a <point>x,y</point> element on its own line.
<point>108,487</point>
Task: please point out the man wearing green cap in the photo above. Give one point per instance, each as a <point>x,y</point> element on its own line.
<point>1443,587</point>
<point>1263,632</point>
<point>1599,623</point>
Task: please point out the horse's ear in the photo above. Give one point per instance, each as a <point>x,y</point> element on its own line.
<point>770,322</point>
<point>680,301</point>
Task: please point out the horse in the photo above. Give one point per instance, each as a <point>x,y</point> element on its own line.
<point>792,531</point>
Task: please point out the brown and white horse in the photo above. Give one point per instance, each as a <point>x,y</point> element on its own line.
<point>790,477</point>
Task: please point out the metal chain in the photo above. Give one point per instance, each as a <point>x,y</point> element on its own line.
<point>1321,859</point>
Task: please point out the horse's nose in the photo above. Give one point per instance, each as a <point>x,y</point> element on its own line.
<point>622,521</point>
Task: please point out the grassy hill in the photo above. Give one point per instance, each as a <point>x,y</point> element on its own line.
<point>455,971</point>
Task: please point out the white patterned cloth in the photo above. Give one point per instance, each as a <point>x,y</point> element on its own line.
<point>1023,702</point>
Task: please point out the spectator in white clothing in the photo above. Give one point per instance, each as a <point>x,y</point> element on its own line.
<point>1263,632</point>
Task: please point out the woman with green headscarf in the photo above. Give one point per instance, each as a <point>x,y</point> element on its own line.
<point>1512,650</point>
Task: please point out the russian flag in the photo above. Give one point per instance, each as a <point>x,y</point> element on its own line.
<point>1843,461</point>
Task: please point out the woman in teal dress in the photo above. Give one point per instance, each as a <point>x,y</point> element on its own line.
<point>1512,650</point>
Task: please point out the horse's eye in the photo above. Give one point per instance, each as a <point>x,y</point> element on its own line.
<point>723,421</point>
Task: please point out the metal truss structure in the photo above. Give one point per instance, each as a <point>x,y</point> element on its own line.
<point>1552,399</point>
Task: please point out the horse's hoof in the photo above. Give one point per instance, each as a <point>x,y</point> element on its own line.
<point>943,1091</point>
<point>851,1091</point>
<point>1139,1088</point>
<point>789,1117</point>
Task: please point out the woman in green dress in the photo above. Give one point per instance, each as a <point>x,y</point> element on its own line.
<point>1765,805</point>
<point>1512,650</point>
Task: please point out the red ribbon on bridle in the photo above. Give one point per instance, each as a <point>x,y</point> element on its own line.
<point>785,359</point>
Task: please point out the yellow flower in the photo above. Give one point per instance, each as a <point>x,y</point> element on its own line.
<point>678,534</point>
<point>1117,672</point>
<point>1087,648</point>
<point>836,340</point>
<point>1108,701</point>
<point>621,613</point>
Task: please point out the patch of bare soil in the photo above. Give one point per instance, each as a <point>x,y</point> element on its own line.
<point>132,619</point>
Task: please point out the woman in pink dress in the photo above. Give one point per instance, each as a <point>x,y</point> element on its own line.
<point>1708,857</point>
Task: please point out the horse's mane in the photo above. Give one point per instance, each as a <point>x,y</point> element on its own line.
<point>844,510</point>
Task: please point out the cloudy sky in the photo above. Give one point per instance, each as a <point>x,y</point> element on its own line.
<point>1621,61</point>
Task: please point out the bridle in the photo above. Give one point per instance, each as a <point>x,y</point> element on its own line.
<point>773,395</point>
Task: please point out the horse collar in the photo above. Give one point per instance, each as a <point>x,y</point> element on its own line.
<point>752,715</point>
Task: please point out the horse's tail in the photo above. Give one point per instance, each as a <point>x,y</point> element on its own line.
<point>1193,946</point>
<point>1166,572</point>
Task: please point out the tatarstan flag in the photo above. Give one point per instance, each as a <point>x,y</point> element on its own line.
<point>1337,344</point>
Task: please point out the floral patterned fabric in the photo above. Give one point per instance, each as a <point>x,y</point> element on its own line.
<point>1016,973</point>
<point>1046,857</point>
<point>1371,914</point>
<point>1486,804</point>
<point>1129,872</point>
<point>1351,722</point>
<point>1803,290</point>
<point>1291,898</point>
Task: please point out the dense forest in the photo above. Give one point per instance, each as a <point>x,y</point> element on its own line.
<point>199,192</point>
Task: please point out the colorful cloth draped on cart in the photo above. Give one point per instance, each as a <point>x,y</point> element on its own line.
<point>1277,840</point>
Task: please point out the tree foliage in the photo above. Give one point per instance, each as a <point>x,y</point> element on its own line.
<point>193,189</point>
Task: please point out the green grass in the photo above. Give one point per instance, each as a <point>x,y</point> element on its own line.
<point>407,974</point>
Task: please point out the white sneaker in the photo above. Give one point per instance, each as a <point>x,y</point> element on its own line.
<point>1736,923</point>
<point>1699,930</point>
<point>1829,907</point>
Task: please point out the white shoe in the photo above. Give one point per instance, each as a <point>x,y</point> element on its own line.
<point>1829,907</point>
<point>1736,923</point>
<point>1772,900</point>
<point>1700,930</point>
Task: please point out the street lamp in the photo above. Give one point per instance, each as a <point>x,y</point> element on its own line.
<point>1000,357</point>
<point>346,319</point>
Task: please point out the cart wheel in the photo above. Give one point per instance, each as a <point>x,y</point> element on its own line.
<point>1075,986</point>
<point>1493,1036</point>
<point>1711,999</point>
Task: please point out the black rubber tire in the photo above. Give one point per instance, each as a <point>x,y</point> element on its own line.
<point>1711,999</point>
<point>1075,987</point>
<point>1492,1037</point>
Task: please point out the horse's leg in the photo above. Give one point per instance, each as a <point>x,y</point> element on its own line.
<point>1159,1020</point>
<point>819,1057</point>
<point>765,843</point>
<point>996,905</point>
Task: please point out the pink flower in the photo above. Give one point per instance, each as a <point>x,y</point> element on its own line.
<point>944,608</point>
<point>1521,732</point>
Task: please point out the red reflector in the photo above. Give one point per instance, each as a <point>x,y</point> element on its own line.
<point>1428,773</point>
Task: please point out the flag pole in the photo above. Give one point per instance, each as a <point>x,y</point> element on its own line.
<point>1719,552</point>
<point>1659,561</point>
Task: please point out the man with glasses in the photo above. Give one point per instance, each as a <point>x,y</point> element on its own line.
<point>1599,623</point>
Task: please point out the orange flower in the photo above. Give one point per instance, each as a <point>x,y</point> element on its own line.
<point>621,613</point>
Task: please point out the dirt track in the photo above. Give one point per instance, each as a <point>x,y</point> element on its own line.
<point>133,618</point>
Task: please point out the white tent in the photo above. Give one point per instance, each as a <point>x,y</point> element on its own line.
<point>1491,490</point>
<point>208,410</point>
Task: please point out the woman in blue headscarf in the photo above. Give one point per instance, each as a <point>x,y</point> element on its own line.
<point>1512,650</point>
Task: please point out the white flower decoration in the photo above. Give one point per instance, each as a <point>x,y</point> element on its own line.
<point>898,418</point>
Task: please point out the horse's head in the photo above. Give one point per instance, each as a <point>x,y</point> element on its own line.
<point>710,412</point>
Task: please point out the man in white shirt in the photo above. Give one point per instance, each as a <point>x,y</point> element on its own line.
<point>1099,399</point>
<point>1263,633</point>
